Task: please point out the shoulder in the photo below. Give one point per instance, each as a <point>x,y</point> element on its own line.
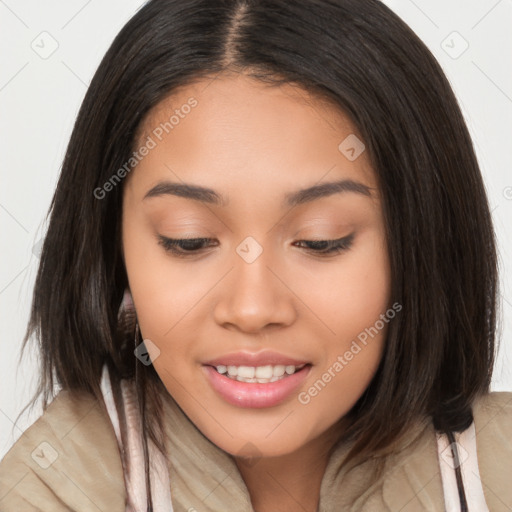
<point>492,414</point>
<point>68,459</point>
<point>497,402</point>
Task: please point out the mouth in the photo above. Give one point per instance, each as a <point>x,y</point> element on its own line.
<point>256,386</point>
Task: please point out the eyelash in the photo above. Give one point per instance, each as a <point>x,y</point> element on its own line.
<point>177,246</point>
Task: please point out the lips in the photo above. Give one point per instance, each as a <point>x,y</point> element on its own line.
<point>262,358</point>
<point>251,395</point>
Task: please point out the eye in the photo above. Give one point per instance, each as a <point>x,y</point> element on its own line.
<point>183,246</point>
<point>328,247</point>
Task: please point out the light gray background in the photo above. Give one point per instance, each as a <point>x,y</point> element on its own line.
<point>41,91</point>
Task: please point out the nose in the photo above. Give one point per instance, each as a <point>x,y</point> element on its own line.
<point>255,296</point>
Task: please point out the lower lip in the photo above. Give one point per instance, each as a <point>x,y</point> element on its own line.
<point>255,395</point>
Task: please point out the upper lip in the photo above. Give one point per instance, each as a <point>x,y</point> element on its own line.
<point>262,358</point>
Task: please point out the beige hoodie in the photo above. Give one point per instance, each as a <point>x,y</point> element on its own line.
<point>69,460</point>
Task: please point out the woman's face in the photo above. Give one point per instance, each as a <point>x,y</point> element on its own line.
<point>255,285</point>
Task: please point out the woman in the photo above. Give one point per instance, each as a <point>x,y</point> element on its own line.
<point>269,280</point>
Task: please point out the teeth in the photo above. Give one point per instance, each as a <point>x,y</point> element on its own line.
<point>264,372</point>
<point>246,371</point>
<point>260,374</point>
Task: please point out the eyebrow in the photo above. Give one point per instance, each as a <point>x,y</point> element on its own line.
<point>305,195</point>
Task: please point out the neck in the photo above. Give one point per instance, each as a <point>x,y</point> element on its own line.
<point>289,482</point>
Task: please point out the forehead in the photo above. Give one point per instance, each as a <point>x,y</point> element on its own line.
<point>240,128</point>
<point>239,94</point>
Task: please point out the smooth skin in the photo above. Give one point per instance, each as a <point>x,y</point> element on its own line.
<point>254,144</point>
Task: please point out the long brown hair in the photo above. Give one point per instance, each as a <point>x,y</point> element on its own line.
<point>360,56</point>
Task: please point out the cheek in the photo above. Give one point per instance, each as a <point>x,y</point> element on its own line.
<point>354,303</point>
<point>161,289</point>
<point>351,293</point>
<point>337,385</point>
